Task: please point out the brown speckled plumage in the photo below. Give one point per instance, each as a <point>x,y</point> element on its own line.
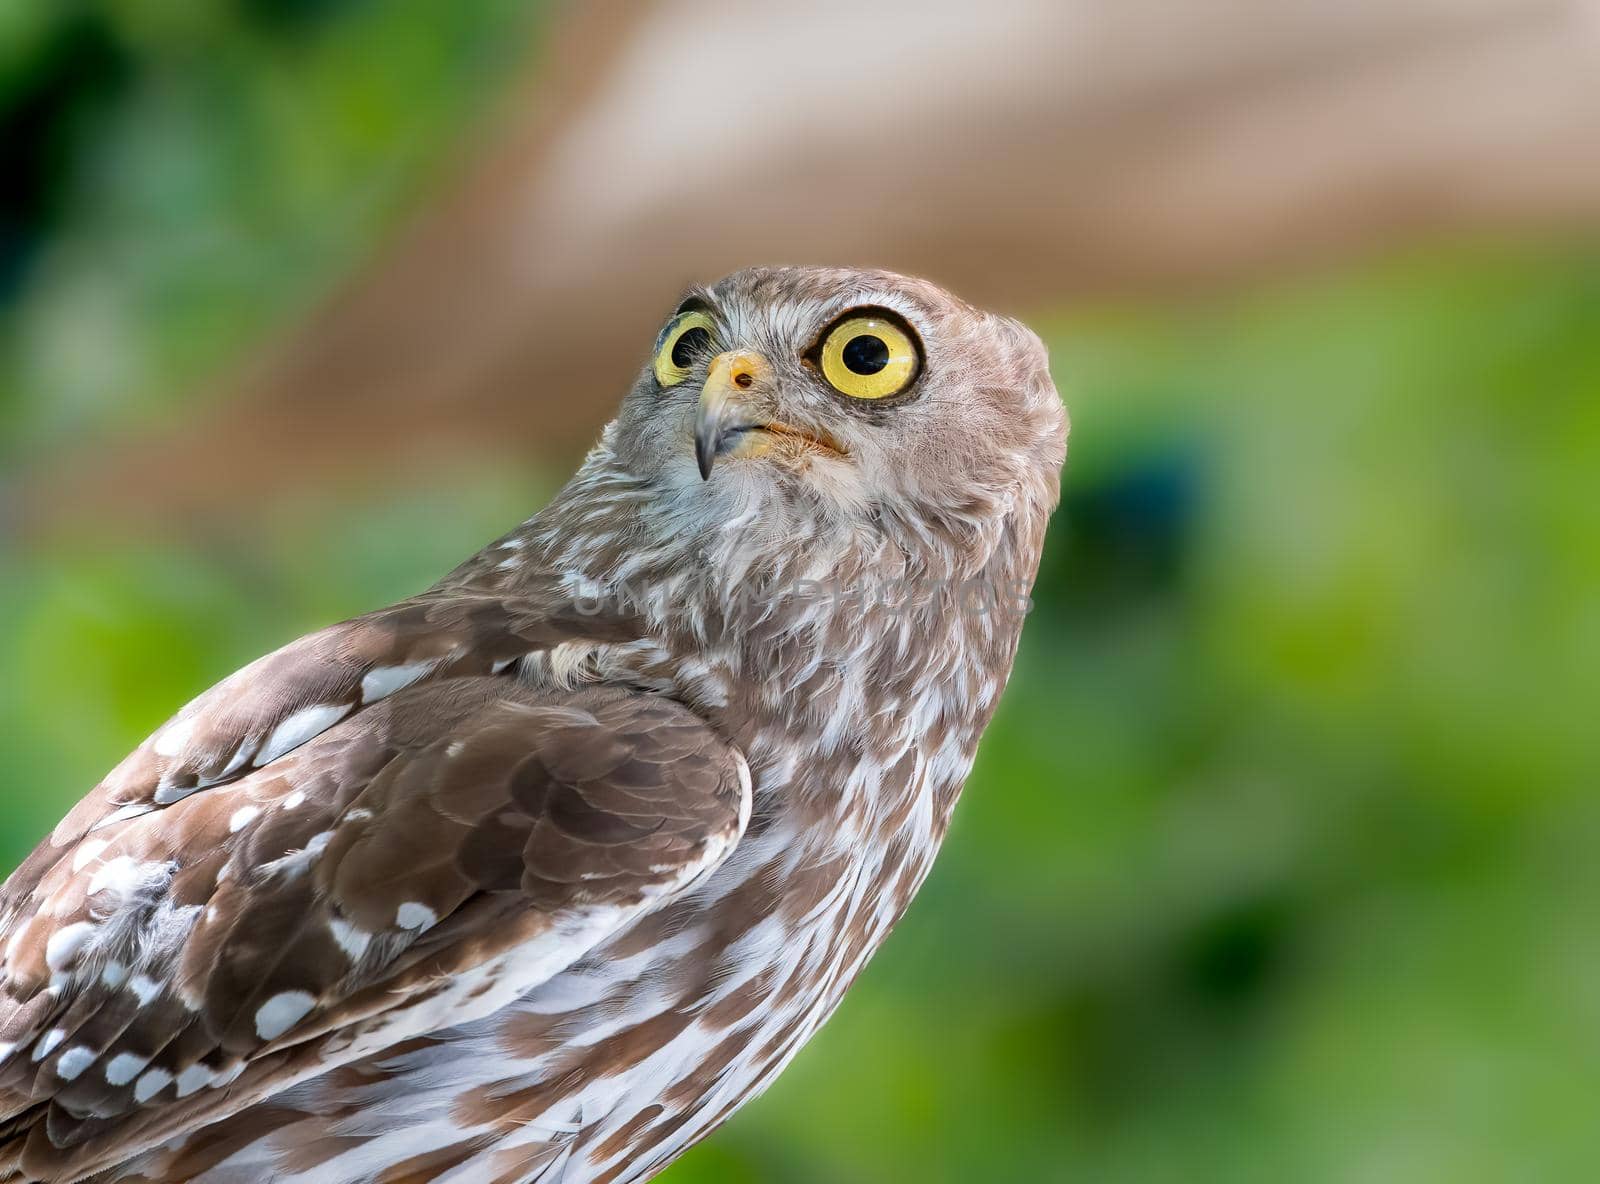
<point>539,874</point>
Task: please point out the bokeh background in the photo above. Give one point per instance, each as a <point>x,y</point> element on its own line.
<point>1279,862</point>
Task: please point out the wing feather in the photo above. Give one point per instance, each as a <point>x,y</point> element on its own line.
<point>418,864</point>
<point>280,701</point>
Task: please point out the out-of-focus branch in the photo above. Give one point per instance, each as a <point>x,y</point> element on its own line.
<point>1020,152</point>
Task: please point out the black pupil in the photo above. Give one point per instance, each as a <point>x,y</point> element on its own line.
<point>865,354</point>
<point>692,342</point>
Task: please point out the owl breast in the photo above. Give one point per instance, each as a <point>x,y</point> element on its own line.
<point>617,1065</point>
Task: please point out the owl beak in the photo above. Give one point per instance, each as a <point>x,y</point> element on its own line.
<point>725,411</point>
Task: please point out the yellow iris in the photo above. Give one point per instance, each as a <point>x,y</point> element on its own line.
<point>869,358</point>
<point>689,337</point>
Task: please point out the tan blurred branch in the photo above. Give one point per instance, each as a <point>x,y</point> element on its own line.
<point>1021,152</point>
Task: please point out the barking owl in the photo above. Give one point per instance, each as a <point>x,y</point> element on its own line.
<point>540,874</point>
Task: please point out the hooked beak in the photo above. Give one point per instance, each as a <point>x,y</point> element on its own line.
<point>724,412</point>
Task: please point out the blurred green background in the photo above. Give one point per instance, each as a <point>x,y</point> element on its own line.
<point>1279,861</point>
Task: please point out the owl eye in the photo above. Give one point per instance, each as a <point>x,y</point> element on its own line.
<point>687,339</point>
<point>869,357</point>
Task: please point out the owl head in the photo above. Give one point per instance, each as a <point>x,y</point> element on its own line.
<point>854,393</point>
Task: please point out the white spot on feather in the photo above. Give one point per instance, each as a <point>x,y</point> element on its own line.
<point>173,737</point>
<point>167,793</point>
<point>567,662</point>
<point>303,725</point>
<point>125,1066</point>
<point>240,756</point>
<point>74,1061</point>
<point>113,974</point>
<point>229,1075</point>
<point>87,852</point>
<point>144,988</point>
<point>241,818</point>
<point>123,813</point>
<point>282,1012</point>
<point>151,1084</point>
<point>193,1079</point>
<point>412,915</point>
<point>62,949</point>
<point>296,863</point>
<point>295,800</point>
<point>383,681</point>
<point>122,876</point>
<point>47,1043</point>
<point>351,940</point>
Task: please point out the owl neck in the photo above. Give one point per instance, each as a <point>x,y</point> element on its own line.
<point>883,633</point>
<point>779,564</point>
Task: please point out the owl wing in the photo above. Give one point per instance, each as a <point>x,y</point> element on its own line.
<point>286,698</point>
<point>418,865</point>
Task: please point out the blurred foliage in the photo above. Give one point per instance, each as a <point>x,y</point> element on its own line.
<point>1277,864</point>
<point>175,178</point>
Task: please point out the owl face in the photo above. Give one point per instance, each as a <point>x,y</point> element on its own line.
<point>858,392</point>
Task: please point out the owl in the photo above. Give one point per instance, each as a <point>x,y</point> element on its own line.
<point>540,874</point>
